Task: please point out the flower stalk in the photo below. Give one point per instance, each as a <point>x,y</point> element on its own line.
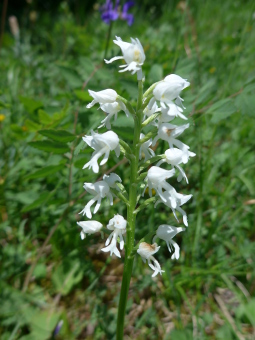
<point>131,216</point>
<point>143,173</point>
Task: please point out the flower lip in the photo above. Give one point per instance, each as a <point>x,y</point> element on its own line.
<point>170,88</point>
<point>166,232</point>
<point>157,175</point>
<point>102,144</point>
<point>146,250</point>
<point>174,78</point>
<point>108,138</point>
<point>117,222</point>
<point>89,227</point>
<point>118,225</point>
<point>102,97</point>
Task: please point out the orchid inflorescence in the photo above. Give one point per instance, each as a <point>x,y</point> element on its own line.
<point>159,105</point>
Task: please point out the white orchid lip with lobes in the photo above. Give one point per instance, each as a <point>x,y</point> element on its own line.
<point>146,251</point>
<point>170,111</point>
<point>100,190</point>
<point>157,180</point>
<point>175,157</point>
<point>102,144</point>
<point>174,201</point>
<point>145,149</point>
<point>111,110</point>
<point>169,132</point>
<point>118,225</point>
<point>170,88</point>
<point>89,227</point>
<point>166,233</point>
<point>103,97</point>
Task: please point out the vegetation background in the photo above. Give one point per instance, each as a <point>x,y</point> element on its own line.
<point>48,276</point>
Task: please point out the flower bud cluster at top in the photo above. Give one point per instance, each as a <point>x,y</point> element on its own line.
<point>161,103</point>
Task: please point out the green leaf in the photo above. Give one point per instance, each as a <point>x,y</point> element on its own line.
<point>58,135</point>
<point>3,105</point>
<point>32,126</point>
<point>25,197</point>
<point>156,73</point>
<point>206,92</point>
<point>83,95</point>
<point>30,104</point>
<point>44,172</point>
<point>177,334</point>
<point>40,271</point>
<point>248,310</point>
<point>246,104</point>
<point>42,324</point>
<point>49,146</point>
<point>79,147</point>
<point>37,203</point>
<point>66,276</point>
<point>71,76</point>
<point>44,117</point>
<point>222,109</point>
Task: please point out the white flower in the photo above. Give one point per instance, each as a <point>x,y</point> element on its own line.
<point>112,109</point>
<point>175,157</point>
<point>102,144</point>
<point>89,227</point>
<point>145,149</point>
<point>151,108</point>
<point>169,132</point>
<point>169,112</point>
<point>133,54</point>
<point>166,233</point>
<point>103,97</point>
<point>112,179</point>
<point>174,200</point>
<point>118,225</point>
<point>170,88</point>
<point>99,190</point>
<point>156,179</point>
<point>146,251</point>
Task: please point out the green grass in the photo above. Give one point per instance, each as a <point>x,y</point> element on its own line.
<point>48,274</point>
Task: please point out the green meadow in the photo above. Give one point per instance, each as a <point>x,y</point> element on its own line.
<point>49,277</point>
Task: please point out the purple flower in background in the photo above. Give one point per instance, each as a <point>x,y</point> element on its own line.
<point>125,15</point>
<point>58,328</point>
<point>109,13</point>
<point>112,13</point>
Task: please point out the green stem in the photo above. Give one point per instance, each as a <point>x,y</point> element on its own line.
<point>131,217</point>
<point>108,39</point>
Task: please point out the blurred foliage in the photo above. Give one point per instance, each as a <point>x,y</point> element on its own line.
<point>47,273</point>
